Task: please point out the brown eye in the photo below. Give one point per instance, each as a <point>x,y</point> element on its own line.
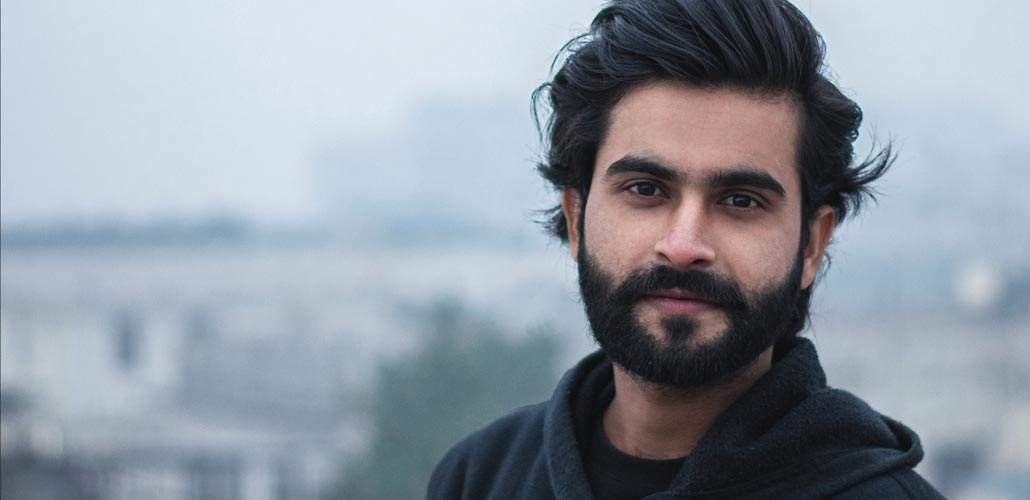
<point>741,201</point>
<point>644,188</point>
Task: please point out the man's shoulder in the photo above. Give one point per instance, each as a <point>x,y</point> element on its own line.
<point>519,427</point>
<point>903,483</point>
<point>502,448</point>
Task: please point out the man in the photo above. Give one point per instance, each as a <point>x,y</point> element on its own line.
<point>704,161</point>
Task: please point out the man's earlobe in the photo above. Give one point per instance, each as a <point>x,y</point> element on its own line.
<point>820,231</point>
<point>570,208</point>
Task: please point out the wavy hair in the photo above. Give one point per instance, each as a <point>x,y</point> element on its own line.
<point>760,46</point>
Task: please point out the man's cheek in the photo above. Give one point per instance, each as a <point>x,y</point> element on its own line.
<point>622,247</point>
<point>756,269</point>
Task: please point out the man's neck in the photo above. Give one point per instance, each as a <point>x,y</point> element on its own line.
<point>653,421</point>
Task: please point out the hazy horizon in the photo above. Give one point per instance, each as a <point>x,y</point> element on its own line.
<point>191,108</point>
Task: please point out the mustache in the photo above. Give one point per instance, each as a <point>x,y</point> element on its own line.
<point>706,286</point>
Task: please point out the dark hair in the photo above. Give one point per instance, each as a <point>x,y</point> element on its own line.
<point>763,46</point>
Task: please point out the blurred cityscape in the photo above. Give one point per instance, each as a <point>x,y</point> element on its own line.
<point>219,358</point>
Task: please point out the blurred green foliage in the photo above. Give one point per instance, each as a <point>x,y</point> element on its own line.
<point>466,373</point>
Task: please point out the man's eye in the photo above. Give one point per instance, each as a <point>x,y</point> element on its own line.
<point>644,188</point>
<point>741,201</point>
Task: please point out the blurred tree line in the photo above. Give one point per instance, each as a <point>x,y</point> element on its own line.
<point>467,372</point>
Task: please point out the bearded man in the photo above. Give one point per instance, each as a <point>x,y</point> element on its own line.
<point>704,160</point>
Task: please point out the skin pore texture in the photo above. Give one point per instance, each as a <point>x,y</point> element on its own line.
<point>699,180</point>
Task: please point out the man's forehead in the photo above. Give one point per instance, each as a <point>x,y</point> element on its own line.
<point>699,131</point>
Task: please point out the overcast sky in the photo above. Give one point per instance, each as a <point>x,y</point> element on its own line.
<point>138,109</point>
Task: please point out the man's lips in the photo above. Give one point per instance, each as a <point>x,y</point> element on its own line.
<point>678,302</point>
<point>673,293</point>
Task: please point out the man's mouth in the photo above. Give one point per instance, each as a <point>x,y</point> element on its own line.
<point>678,302</point>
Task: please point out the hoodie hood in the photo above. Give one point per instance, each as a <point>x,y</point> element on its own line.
<point>789,424</point>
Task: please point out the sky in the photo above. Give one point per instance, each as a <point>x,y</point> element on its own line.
<point>135,110</point>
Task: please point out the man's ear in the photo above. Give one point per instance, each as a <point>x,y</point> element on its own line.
<point>570,207</point>
<point>820,230</point>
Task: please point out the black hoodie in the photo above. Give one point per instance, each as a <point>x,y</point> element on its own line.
<point>788,436</point>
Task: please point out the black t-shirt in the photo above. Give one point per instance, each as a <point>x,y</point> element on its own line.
<point>614,475</point>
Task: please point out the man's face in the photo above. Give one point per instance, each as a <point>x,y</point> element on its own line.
<point>689,256</point>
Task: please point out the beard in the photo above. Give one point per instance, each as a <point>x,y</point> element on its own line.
<point>754,323</point>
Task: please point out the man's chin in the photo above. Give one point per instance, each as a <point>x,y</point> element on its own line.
<point>692,331</point>
<point>680,351</point>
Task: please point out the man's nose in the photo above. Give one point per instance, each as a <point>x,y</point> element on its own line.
<point>685,243</point>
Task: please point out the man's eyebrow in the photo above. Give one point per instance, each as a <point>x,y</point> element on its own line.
<point>638,164</point>
<point>745,176</point>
